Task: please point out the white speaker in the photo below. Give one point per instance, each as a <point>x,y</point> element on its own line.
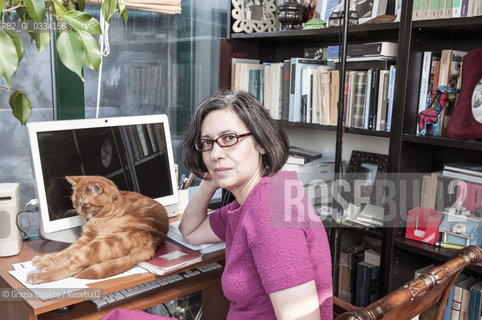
<point>10,239</point>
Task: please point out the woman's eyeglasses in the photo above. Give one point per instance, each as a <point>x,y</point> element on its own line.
<point>226,140</point>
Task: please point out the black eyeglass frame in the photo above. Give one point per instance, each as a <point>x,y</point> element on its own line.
<point>199,144</point>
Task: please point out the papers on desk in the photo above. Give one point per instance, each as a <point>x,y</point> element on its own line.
<point>56,289</point>
<point>175,234</point>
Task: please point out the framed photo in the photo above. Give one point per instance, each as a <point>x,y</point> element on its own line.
<point>254,15</point>
<point>364,169</point>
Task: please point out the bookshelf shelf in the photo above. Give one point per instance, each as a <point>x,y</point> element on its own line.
<point>385,30</point>
<point>428,250</point>
<point>475,145</point>
<point>472,25</point>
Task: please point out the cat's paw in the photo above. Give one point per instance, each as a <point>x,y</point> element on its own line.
<point>43,263</point>
<point>36,278</point>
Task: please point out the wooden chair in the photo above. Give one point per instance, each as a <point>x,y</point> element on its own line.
<point>429,291</point>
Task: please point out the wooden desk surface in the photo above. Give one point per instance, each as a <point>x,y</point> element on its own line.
<point>85,310</point>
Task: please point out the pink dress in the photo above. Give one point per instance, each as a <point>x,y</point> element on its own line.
<point>274,241</point>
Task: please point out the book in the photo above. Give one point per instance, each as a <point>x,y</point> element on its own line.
<point>325,79</point>
<point>171,257</point>
<point>334,95</point>
<point>285,90</point>
<point>369,49</point>
<point>297,65</point>
<point>358,101</point>
<point>367,276</point>
<point>374,88</point>
<point>391,94</point>
<point>425,80</point>
<point>464,306</point>
<point>450,66</point>
<point>461,295</point>
<point>301,156</point>
<point>475,301</point>
<point>462,176</point>
<point>471,168</point>
<point>382,100</point>
<point>347,268</point>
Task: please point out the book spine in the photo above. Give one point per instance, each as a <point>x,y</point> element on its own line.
<point>456,8</point>
<point>391,92</point>
<point>373,99</point>
<point>464,8</point>
<point>456,303</point>
<point>424,80</point>
<point>285,91</point>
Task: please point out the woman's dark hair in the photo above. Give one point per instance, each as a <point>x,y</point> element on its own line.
<point>266,132</point>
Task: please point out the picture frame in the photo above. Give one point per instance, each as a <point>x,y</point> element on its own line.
<point>254,15</point>
<point>366,167</point>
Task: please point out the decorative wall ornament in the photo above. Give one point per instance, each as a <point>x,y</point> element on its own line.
<point>254,15</point>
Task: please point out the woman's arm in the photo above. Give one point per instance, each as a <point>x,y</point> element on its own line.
<point>195,227</point>
<point>298,302</point>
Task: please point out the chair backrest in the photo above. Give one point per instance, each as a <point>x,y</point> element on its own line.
<point>430,290</point>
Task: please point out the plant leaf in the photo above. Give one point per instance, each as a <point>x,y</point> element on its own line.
<point>8,57</point>
<point>21,106</point>
<point>82,21</point>
<point>81,4</point>
<point>35,8</point>
<point>92,51</point>
<point>18,44</point>
<point>42,40</point>
<point>2,5</point>
<point>59,8</point>
<point>122,10</point>
<point>71,52</point>
<point>108,9</point>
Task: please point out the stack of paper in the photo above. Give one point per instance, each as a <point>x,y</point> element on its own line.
<point>176,235</point>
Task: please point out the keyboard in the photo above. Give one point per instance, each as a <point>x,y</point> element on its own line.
<point>124,295</point>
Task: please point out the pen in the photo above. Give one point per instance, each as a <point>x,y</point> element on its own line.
<point>189,181</point>
<point>181,181</point>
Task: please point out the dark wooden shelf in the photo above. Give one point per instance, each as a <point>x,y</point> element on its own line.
<point>475,145</point>
<point>428,250</point>
<point>333,128</point>
<point>376,233</point>
<point>472,25</point>
<point>326,34</point>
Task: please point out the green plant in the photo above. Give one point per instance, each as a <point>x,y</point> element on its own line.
<point>75,43</point>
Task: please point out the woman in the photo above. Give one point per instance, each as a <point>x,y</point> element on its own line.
<point>278,262</point>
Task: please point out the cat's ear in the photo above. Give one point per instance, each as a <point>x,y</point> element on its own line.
<point>73,180</point>
<point>95,188</point>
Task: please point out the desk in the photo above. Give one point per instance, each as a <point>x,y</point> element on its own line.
<point>215,305</point>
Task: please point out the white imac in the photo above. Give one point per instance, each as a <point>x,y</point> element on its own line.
<point>133,151</point>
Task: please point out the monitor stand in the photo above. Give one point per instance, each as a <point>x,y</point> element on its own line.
<point>68,236</point>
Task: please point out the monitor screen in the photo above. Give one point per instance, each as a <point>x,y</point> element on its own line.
<point>134,152</point>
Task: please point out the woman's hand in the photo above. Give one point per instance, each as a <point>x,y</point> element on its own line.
<point>195,226</point>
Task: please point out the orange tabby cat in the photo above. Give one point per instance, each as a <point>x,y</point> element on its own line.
<point>121,228</point>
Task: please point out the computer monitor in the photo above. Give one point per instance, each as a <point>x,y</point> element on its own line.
<point>135,152</point>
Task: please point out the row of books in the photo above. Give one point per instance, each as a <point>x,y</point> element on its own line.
<point>358,275</point>
<point>307,90</point>
<point>145,140</point>
<point>464,170</point>
<point>444,9</point>
<point>464,300</point>
<point>439,69</point>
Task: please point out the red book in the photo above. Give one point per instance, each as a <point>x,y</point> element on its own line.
<point>171,257</point>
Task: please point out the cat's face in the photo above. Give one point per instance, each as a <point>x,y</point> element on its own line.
<point>92,195</point>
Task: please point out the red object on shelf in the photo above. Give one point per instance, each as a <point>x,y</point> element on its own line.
<point>422,225</point>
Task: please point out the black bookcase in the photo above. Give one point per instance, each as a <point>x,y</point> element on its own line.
<point>407,151</point>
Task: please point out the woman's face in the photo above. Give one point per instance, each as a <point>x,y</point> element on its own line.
<point>236,168</point>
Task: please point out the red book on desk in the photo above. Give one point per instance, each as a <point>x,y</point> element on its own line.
<point>171,257</point>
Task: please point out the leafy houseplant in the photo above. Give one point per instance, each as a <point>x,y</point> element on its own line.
<point>75,44</point>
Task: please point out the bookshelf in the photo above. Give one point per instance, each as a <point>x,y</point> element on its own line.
<point>408,153</point>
